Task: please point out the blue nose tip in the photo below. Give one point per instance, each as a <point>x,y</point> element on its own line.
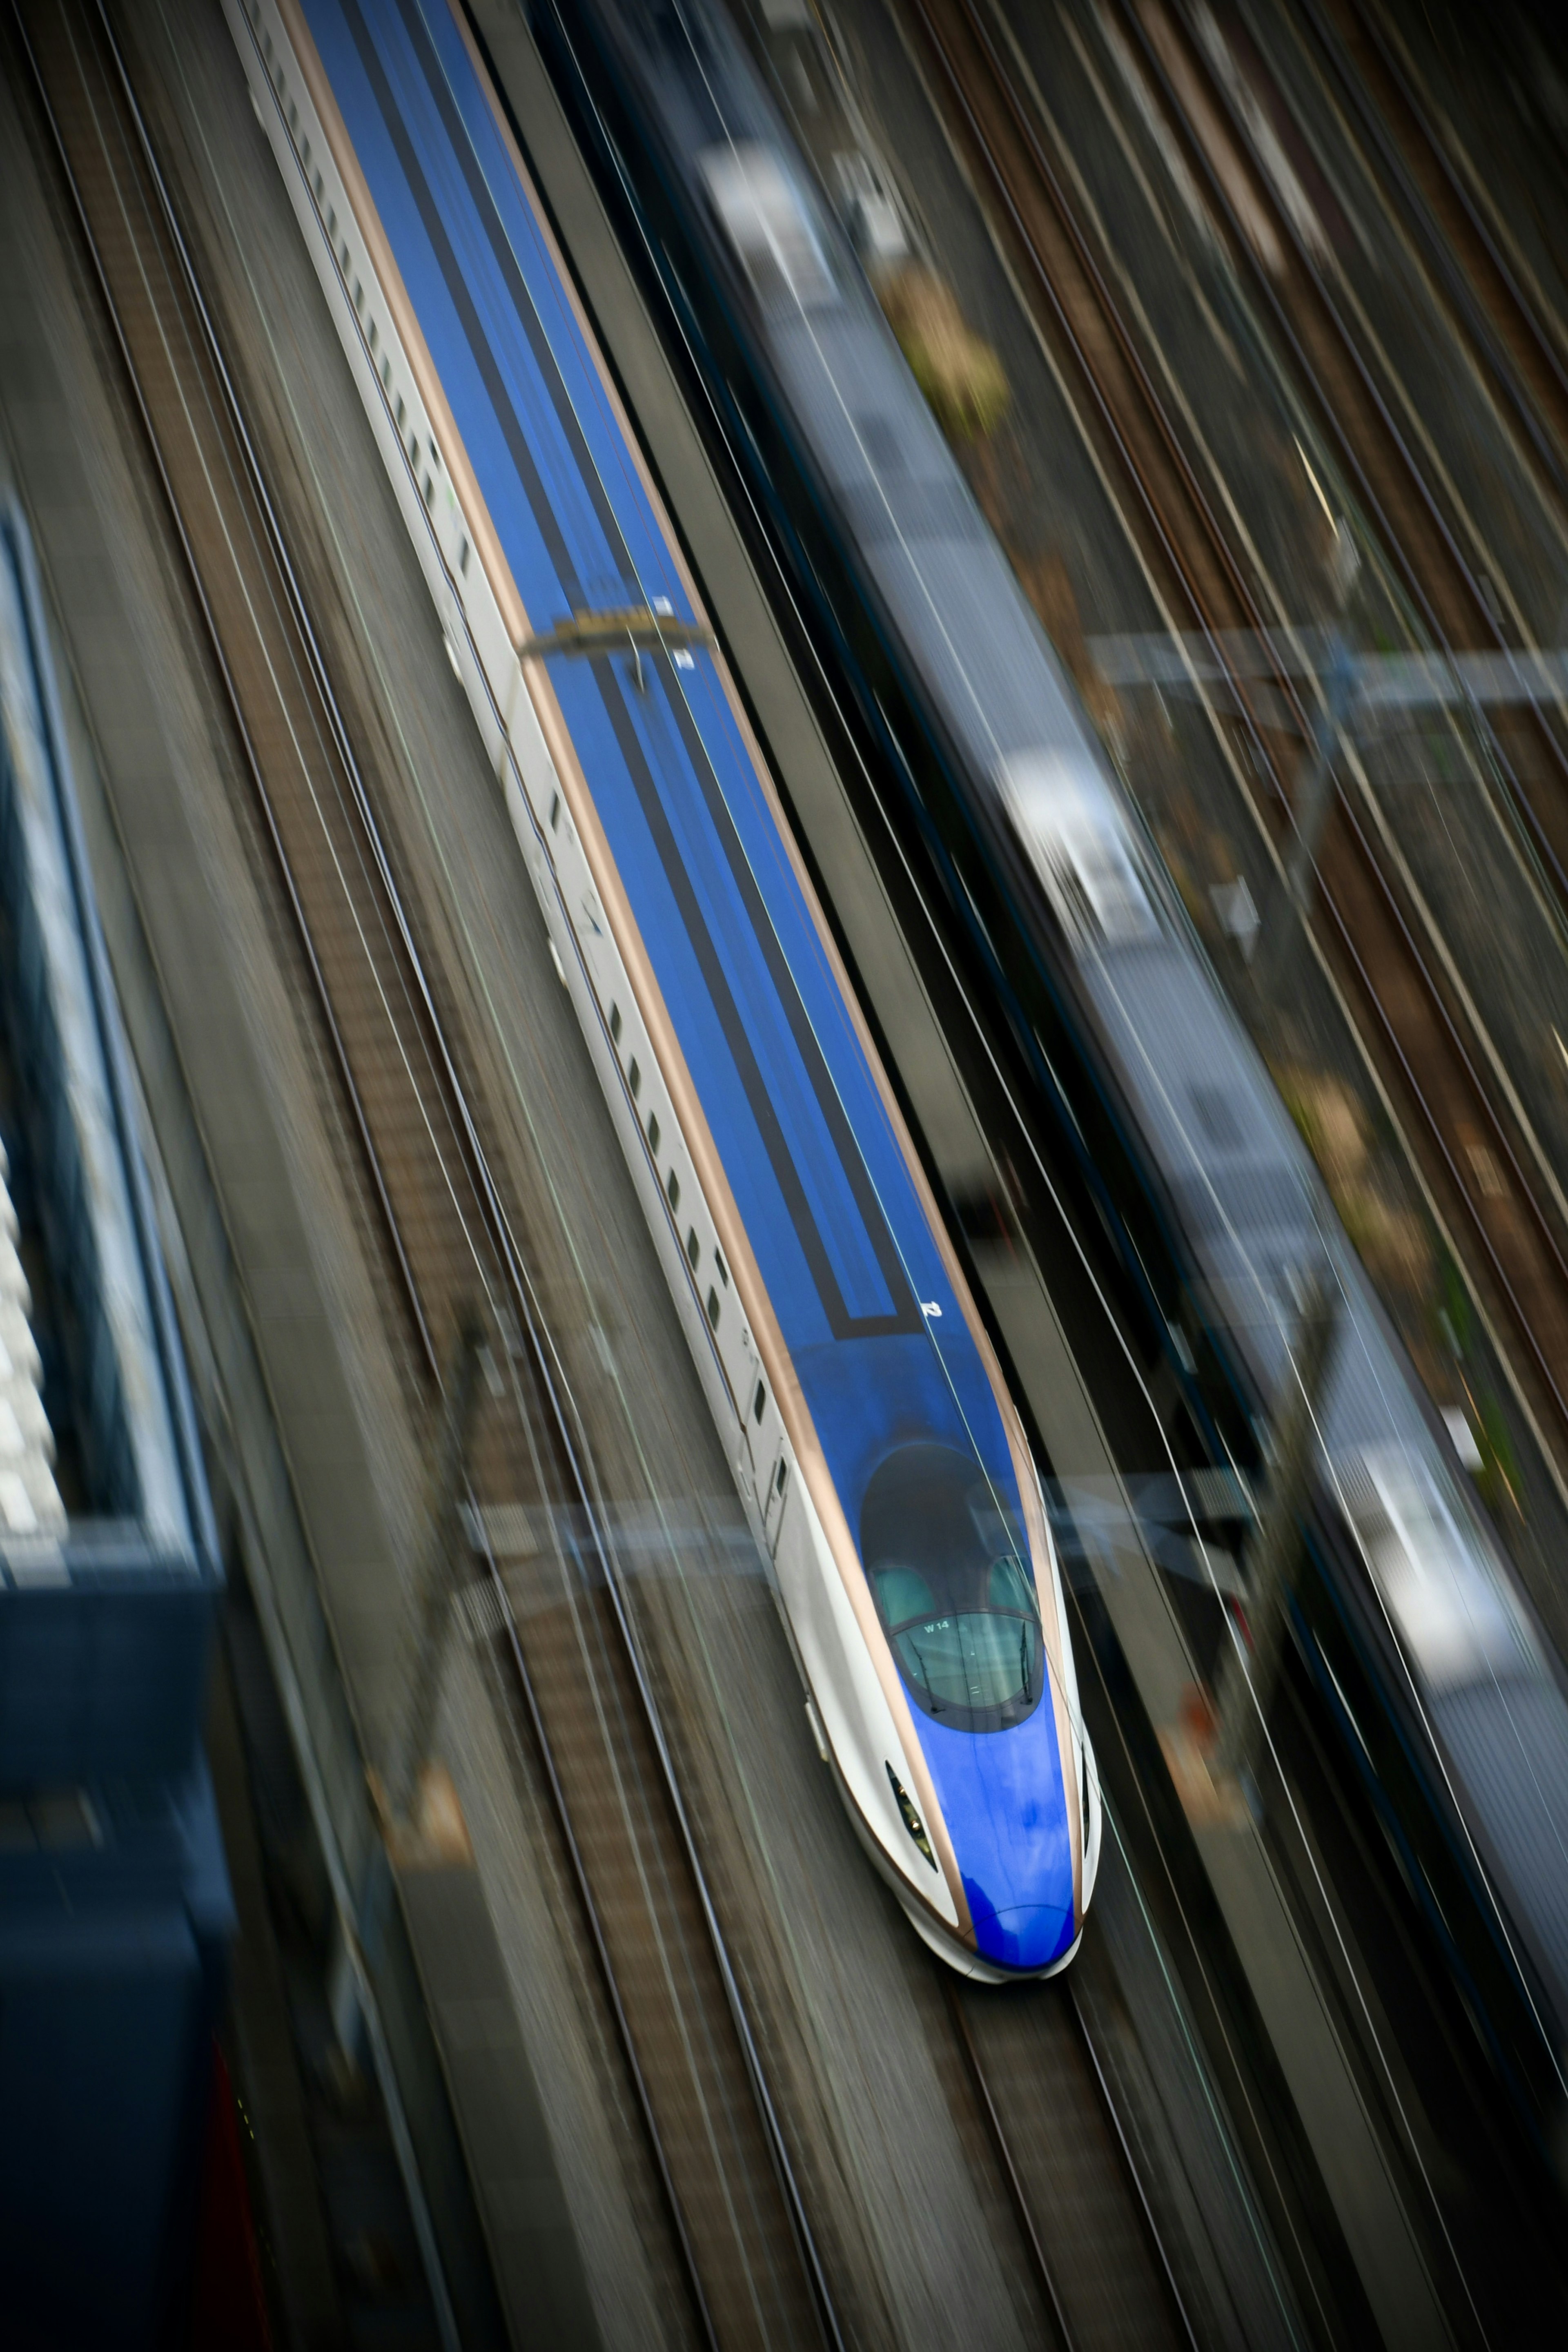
<point>1024,1935</point>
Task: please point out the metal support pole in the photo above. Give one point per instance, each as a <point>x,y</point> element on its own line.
<point>439,1570</point>
<point>1247,1683</point>
<point>1313,799</point>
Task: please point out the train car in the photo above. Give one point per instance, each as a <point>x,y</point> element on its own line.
<point>882,1465</point>
<point>1423,1650</point>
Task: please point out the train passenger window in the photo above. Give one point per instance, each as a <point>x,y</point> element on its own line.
<point>360,296</point>
<point>305,154</point>
<point>332,222</point>
<point>783,1474</point>
<point>413,448</point>
<point>429,491</point>
<point>673,1190</point>
<point>386,375</point>
<point>267,47</point>
<point>694,1249</point>
<point>653,1132</point>
<point>615,1009</point>
<point>713,1309</point>
<point>759,1402</point>
<point>722,1269</point>
<point>634,1079</point>
<point>400,412</point>
<point>343,256</point>
<point>463,560</point>
<point>375,334</point>
<point>320,190</point>
<point>293,119</point>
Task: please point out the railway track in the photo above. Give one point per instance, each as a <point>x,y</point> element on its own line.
<point>1089,2232</point>
<point>1359,408</point>
<point>1510,333</point>
<point>739,2253</point>
<point>1437,1065</point>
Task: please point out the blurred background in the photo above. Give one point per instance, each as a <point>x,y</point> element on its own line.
<point>1075,499</point>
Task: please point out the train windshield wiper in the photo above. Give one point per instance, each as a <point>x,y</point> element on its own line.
<point>925,1678</point>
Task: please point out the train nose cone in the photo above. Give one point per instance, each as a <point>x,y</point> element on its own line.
<point>1006,1812</point>
<point>1020,1936</point>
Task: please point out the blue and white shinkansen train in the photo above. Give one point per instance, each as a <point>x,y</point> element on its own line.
<point>882,1465</point>
<point>898,568</point>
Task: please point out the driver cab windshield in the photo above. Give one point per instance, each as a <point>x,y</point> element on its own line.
<point>947,1564</point>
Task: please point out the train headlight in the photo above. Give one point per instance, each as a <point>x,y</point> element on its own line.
<point>912,1821</point>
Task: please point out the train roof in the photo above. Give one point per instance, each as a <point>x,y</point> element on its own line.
<point>982,653</point>
<point>819,1172</point>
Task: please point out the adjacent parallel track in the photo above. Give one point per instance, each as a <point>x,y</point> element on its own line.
<point>1360,412</point>
<point>1426,1047</point>
<point>739,2246</point>
<point>1522,350</point>
<point>1088,2230</point>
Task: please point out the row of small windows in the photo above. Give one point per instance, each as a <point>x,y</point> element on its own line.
<point>672,1183</point>
<point>633,1074</point>
<point>282,85</point>
<point>373,335</point>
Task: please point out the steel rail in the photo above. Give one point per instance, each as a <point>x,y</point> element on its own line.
<point>1211,628</point>
<point>1039,2259</point>
<point>583,1884</point>
<point>1129,2165</point>
<point>545,1356</point>
<point>1065,1997</point>
<point>1487,332</point>
<point>1520,304</point>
